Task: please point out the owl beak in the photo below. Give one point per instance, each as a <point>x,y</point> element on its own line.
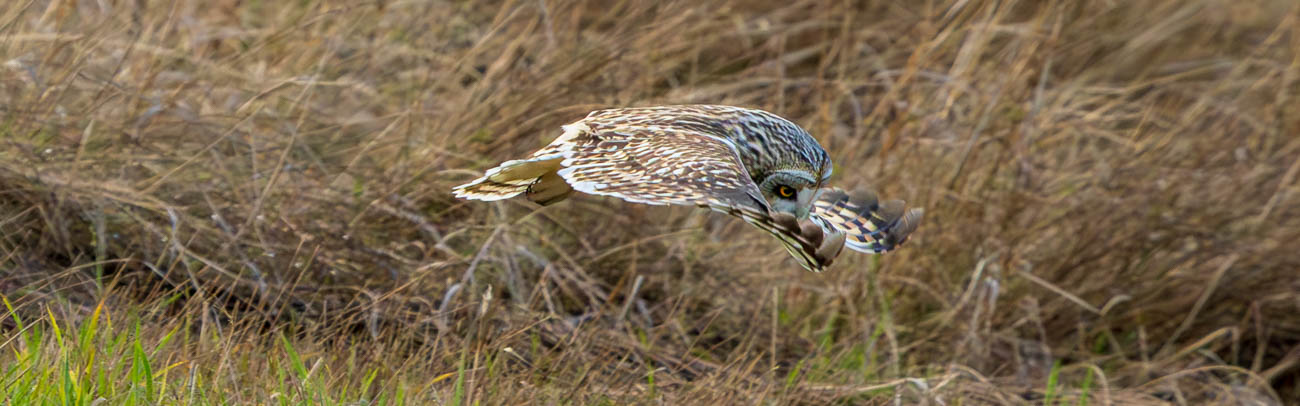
<point>805,197</point>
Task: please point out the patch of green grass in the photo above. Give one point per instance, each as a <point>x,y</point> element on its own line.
<point>129,361</point>
<point>1050,394</point>
<point>1085,388</point>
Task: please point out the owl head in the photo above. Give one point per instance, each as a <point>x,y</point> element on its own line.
<point>793,189</point>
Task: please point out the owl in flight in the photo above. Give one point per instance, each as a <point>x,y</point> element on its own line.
<point>745,162</point>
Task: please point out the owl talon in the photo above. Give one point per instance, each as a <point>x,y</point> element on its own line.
<point>786,220</point>
<point>812,232</point>
<point>830,249</point>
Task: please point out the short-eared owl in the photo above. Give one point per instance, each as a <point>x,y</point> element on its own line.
<point>748,163</point>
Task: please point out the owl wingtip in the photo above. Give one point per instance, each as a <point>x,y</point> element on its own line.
<point>913,217</point>
<point>902,231</point>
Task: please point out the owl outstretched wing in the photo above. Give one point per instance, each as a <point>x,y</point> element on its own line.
<point>640,155</point>
<point>654,165</point>
<point>869,225</point>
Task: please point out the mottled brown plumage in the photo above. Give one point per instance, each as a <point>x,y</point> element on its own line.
<point>744,162</point>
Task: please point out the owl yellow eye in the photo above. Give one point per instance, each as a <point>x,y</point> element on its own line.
<point>785,191</point>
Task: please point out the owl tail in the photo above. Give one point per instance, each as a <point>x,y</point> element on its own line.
<point>535,177</point>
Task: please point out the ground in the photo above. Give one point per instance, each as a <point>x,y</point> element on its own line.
<point>240,202</point>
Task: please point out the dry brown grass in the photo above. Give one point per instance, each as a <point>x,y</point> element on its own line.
<point>1110,187</point>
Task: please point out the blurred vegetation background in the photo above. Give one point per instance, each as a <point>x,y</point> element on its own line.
<point>249,201</point>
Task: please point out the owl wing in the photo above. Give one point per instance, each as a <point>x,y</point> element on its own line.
<point>869,226</point>
<point>657,165</point>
